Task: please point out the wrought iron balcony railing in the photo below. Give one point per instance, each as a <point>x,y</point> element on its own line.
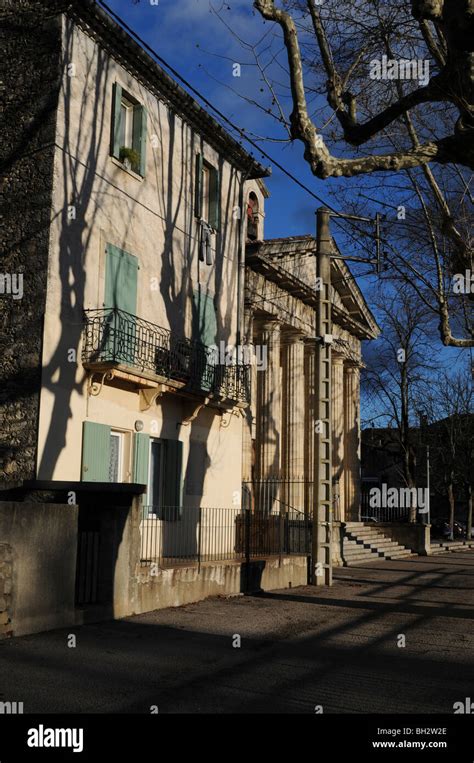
<point>115,337</point>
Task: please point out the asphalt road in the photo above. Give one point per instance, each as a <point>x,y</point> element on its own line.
<point>300,648</point>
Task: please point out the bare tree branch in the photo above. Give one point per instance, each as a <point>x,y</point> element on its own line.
<point>446,86</point>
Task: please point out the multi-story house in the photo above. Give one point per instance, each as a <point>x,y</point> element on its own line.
<point>125,223</point>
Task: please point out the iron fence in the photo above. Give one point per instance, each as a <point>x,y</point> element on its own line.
<point>172,537</point>
<point>277,494</point>
<point>117,337</point>
<point>370,513</point>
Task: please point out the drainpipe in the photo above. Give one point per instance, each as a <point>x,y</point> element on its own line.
<point>241,266</point>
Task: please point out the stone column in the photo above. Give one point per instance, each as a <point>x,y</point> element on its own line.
<point>268,414</point>
<point>337,402</point>
<point>293,418</point>
<point>352,442</point>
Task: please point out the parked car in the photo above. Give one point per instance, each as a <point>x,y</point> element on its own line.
<point>442,529</point>
<point>463,525</point>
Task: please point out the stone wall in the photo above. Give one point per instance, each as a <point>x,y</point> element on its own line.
<point>160,588</point>
<point>30,77</point>
<point>6,576</point>
<point>37,566</point>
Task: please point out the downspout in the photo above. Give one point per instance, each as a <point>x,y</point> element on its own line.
<point>241,265</point>
<point>240,320</point>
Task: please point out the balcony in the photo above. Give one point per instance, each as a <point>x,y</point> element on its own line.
<point>151,355</point>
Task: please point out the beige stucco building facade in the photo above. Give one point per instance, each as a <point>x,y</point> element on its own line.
<point>144,266</point>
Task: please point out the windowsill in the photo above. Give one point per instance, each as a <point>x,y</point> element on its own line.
<point>122,166</point>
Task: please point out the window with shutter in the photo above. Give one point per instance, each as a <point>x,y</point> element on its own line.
<point>128,130</point>
<point>207,193</point>
<point>214,198</point>
<point>173,479</point>
<point>165,479</point>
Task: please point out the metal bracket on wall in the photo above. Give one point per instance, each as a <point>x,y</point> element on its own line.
<point>187,421</point>
<point>148,397</point>
<point>94,388</point>
<point>226,416</point>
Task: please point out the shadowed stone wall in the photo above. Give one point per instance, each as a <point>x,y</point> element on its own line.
<point>30,72</point>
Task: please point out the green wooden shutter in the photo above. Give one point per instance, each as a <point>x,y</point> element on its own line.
<point>173,477</point>
<point>95,452</point>
<point>141,455</point>
<point>116,120</point>
<point>121,276</point>
<point>206,319</point>
<point>215,198</point>
<point>206,333</point>
<point>198,187</point>
<point>139,136</point>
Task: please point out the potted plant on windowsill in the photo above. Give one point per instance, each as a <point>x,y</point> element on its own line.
<point>129,158</point>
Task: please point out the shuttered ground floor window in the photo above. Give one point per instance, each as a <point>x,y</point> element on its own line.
<point>156,463</point>
<point>165,479</point>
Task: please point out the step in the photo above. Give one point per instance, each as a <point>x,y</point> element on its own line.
<point>368,538</point>
<point>385,543</point>
<point>363,534</point>
<point>347,554</point>
<point>352,555</point>
<point>355,562</point>
<point>400,554</point>
<point>382,539</point>
<point>363,529</point>
<point>358,551</point>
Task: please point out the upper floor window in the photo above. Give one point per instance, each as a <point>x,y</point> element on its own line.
<point>252,216</point>
<point>207,191</point>
<point>126,123</point>
<point>128,134</point>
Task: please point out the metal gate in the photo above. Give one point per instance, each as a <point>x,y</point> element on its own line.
<point>87,566</point>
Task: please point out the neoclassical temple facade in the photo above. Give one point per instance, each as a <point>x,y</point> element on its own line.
<point>280,313</point>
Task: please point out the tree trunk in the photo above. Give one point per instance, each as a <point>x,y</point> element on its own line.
<point>451,508</point>
<point>469,513</point>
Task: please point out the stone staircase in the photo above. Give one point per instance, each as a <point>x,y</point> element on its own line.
<point>445,547</point>
<point>365,542</point>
